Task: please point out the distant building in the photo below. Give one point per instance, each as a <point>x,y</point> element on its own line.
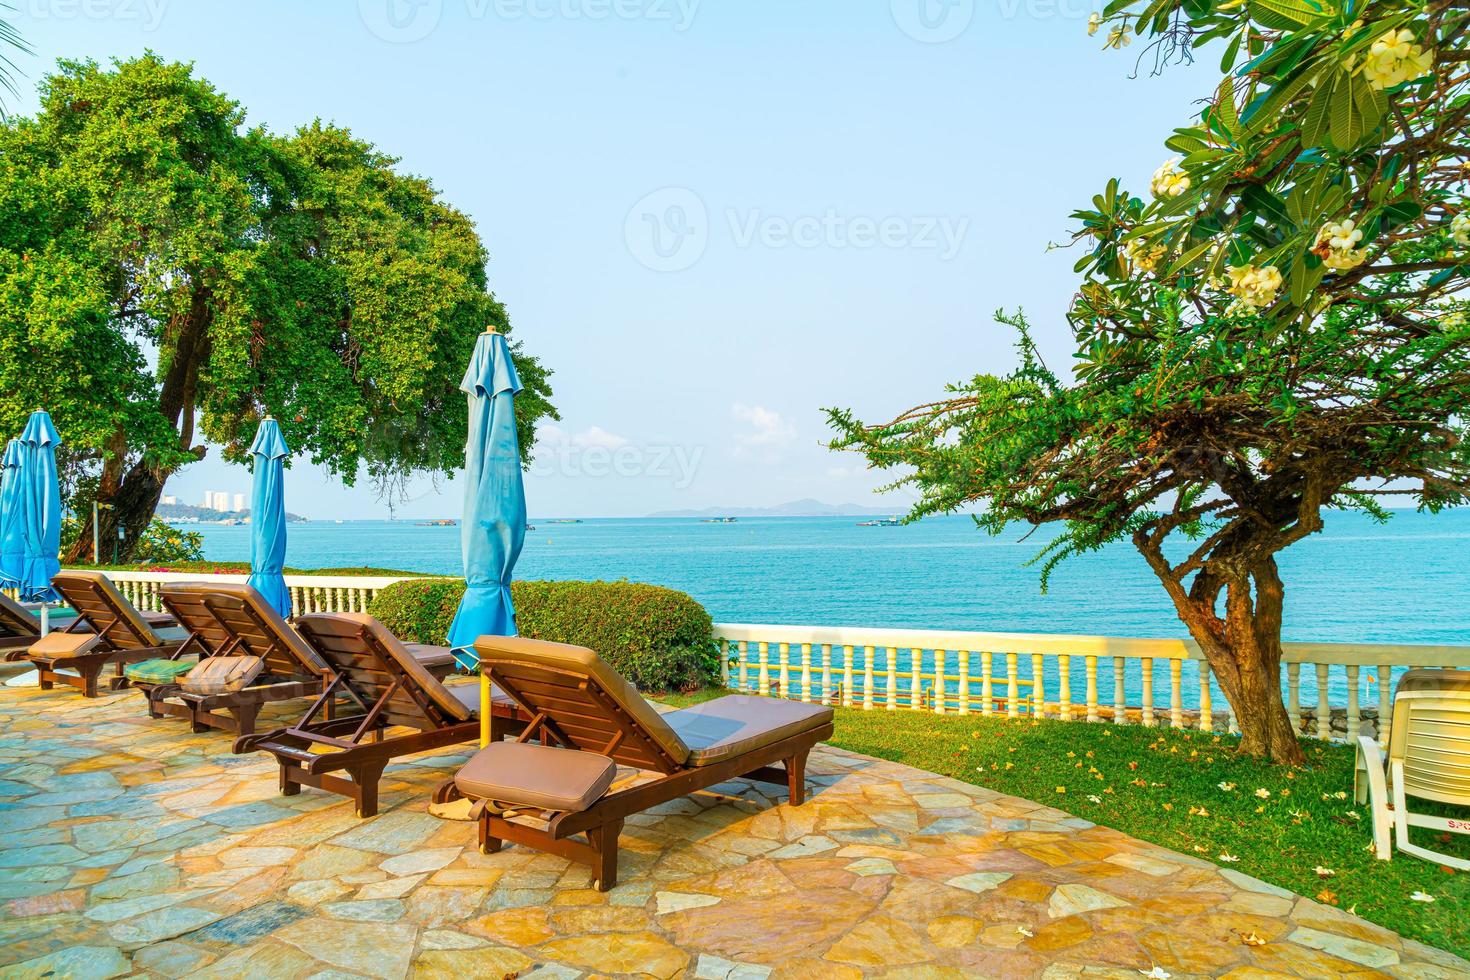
<point>239,501</point>
<point>208,502</point>
<point>168,501</point>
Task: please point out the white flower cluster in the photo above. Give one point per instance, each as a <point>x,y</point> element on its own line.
<point>1169,180</point>
<point>1460,227</point>
<point>1336,244</point>
<point>1145,257</point>
<point>1253,288</point>
<point>1395,59</point>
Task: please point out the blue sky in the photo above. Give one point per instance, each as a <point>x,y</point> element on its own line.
<point>711,218</point>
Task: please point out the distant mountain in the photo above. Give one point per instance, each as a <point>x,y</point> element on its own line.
<point>206,515</point>
<point>796,508</point>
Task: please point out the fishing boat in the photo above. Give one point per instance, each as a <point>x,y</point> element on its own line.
<point>566,520</point>
<point>720,520</point>
<point>881,522</point>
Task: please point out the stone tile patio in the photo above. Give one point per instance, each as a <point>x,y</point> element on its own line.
<point>129,846</point>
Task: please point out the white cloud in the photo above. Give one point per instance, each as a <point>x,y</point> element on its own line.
<point>767,429</point>
<point>590,438</point>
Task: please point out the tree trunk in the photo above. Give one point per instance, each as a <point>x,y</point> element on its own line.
<point>132,505</point>
<point>1245,653</point>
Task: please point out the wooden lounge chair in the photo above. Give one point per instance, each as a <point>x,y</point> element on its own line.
<point>1428,757</point>
<point>19,627</point>
<point>107,630</point>
<point>396,691</point>
<point>578,702</point>
<point>234,620</point>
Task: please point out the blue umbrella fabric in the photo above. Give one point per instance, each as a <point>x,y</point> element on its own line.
<point>494,525</point>
<point>12,532</point>
<point>268,517</point>
<point>41,509</point>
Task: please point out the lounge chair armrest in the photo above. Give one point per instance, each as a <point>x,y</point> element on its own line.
<point>1369,761</point>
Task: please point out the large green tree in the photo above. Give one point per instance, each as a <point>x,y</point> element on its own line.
<point>168,277</point>
<point>1274,330</point>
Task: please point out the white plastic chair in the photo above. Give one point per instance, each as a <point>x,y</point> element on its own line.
<point>1428,758</point>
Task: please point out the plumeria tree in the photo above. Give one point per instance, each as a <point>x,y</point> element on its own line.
<point>1275,328</point>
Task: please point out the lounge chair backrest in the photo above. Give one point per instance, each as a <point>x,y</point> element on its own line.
<point>17,620</point>
<point>234,617</point>
<point>588,703</point>
<point>1431,734</point>
<point>371,661</point>
<point>98,603</point>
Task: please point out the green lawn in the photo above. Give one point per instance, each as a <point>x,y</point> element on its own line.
<point>1166,787</point>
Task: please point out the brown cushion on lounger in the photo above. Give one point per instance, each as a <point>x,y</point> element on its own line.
<point>580,660</point>
<point>1434,680</point>
<point>55,646</point>
<point>222,675</point>
<point>429,656</point>
<point>540,776</point>
<point>738,723</point>
<point>409,664</point>
<point>469,695</point>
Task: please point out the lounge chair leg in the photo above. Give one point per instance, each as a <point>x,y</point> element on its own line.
<point>89,681</point>
<point>488,844</point>
<point>604,841</point>
<point>45,678</point>
<point>289,786</point>
<point>366,776</point>
<point>796,778</point>
<point>245,715</point>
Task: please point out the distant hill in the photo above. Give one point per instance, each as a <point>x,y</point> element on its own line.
<point>796,508</point>
<point>184,512</point>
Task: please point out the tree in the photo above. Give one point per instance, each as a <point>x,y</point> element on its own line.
<point>1277,331</point>
<point>168,277</point>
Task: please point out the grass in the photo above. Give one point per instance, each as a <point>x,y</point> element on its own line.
<point>1167,787</point>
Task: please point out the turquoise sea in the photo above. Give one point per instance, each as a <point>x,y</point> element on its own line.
<point>1404,582</point>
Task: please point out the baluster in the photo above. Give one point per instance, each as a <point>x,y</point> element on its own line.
<point>867,678</point>
<point>806,672</point>
<point>1064,686</point>
<point>826,673</point>
<point>1176,694</point>
<point>987,684</point>
<point>1120,696</point>
<point>1206,709</point>
<point>1354,719</point>
<point>1038,686</point>
<point>1091,666</point>
<point>963,704</point>
<point>744,662</point>
<point>1293,696</point>
<point>1148,692</point>
<point>916,676</point>
<point>1013,687</point>
<point>1385,701</point>
<point>763,663</point>
<point>784,688</point>
<point>847,676</point>
<point>890,693</point>
<point>723,646</point>
<point>1324,706</point>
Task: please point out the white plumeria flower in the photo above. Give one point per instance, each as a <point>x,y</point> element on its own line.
<point>1157,973</point>
<point>1253,288</point>
<point>1025,932</point>
<point>1337,245</point>
<point>1169,180</point>
<point>1263,793</point>
<point>1394,59</point>
<point>1460,228</point>
<point>1119,38</point>
<point>1094,798</point>
<point>1324,872</point>
<point>1229,859</point>
<point>1144,256</point>
<point>1228,787</point>
<point>1093,23</point>
<point>1421,897</point>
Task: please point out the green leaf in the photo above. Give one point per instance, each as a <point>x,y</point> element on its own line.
<point>1283,15</point>
<point>1318,118</point>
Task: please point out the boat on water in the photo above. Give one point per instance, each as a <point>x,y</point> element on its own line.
<point>720,520</point>
<point>445,523</point>
<point>881,522</point>
<point>567,520</point>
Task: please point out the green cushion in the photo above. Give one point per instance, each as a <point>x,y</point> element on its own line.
<point>159,671</point>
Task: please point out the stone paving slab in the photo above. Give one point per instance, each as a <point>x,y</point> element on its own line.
<point>131,847</point>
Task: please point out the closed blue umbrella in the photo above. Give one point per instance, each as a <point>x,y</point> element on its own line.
<point>494,526</point>
<point>268,517</point>
<point>41,511</point>
<point>12,532</point>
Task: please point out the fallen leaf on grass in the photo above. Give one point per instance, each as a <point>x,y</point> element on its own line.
<point>1327,897</point>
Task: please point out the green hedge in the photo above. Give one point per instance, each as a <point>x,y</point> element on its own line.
<point>659,639</point>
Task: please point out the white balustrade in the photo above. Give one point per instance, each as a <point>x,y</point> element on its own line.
<point>309,593</point>
<point>920,670</point>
